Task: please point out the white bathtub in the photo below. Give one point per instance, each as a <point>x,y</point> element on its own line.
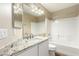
<point>69,50</point>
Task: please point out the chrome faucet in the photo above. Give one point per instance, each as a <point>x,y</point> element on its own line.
<point>28,36</point>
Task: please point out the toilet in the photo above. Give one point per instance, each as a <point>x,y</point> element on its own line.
<point>52,49</point>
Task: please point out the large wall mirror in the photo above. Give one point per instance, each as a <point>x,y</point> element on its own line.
<point>29,17</point>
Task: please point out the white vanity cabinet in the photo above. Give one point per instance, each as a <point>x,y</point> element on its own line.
<point>40,49</point>
<point>43,48</point>
<point>31,51</point>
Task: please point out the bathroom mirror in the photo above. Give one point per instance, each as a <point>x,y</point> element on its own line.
<point>33,20</point>
<point>17,15</point>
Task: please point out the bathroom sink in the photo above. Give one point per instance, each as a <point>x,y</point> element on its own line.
<point>36,39</point>
<point>33,39</point>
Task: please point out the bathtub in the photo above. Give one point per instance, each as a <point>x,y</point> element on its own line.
<point>66,49</point>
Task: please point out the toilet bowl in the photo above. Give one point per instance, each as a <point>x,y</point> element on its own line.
<point>52,49</point>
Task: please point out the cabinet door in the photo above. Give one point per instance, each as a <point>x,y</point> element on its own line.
<point>32,51</point>
<point>43,48</point>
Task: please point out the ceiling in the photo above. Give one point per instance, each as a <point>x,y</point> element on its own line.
<point>52,7</point>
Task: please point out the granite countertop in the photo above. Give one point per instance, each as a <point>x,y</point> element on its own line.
<point>23,44</point>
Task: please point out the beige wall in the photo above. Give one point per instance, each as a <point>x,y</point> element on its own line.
<point>5,15</point>
<point>6,22</point>
<point>67,12</point>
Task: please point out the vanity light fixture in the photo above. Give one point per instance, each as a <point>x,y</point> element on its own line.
<point>37,10</point>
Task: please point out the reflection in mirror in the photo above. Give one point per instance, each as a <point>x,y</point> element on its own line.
<point>33,20</point>
<point>17,15</point>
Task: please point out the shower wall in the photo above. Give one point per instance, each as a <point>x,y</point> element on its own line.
<point>65,31</point>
